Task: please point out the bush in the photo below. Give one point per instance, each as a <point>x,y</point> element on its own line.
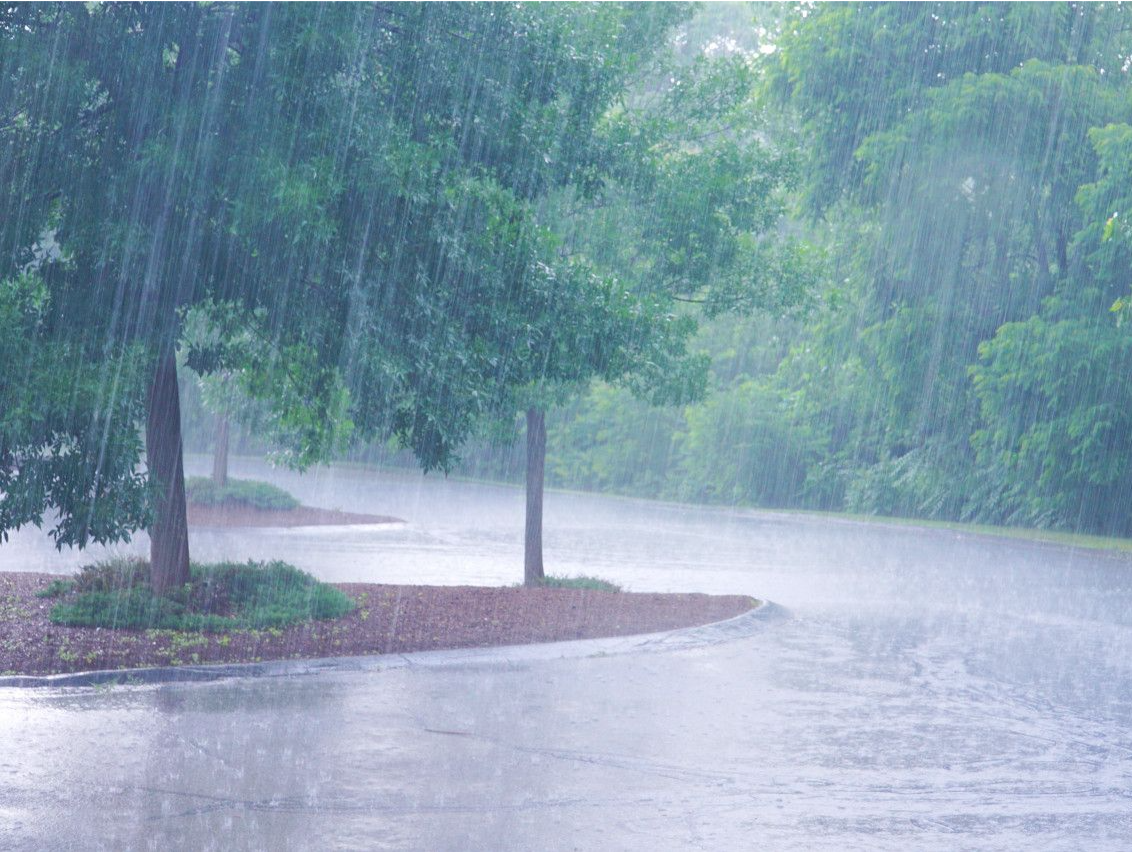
<point>56,589</point>
<point>238,492</point>
<point>219,597</point>
<point>930,481</point>
<point>592,583</point>
<point>111,575</point>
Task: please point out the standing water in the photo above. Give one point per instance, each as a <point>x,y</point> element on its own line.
<point>927,689</point>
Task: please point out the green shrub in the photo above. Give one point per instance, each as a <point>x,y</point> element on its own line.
<point>595,584</point>
<point>56,589</point>
<point>238,492</point>
<point>111,575</point>
<point>219,597</point>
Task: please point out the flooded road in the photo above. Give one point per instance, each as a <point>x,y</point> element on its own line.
<point>929,690</point>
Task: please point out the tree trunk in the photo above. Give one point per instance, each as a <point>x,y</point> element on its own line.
<point>169,535</point>
<point>536,463</point>
<point>220,454</point>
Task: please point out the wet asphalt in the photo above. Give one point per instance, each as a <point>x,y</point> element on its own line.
<point>910,689</point>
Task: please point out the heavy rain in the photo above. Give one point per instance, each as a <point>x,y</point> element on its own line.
<point>565,426</point>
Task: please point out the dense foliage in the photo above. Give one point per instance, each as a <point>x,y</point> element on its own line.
<point>339,209</point>
<point>967,174</point>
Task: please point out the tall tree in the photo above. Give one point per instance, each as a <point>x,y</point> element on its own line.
<point>354,183</point>
<point>683,220</point>
<point>119,166</point>
<point>1056,433</point>
<point>947,142</point>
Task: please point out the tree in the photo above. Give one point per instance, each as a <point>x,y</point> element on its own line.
<point>947,143</point>
<point>150,138</point>
<point>65,111</point>
<point>1055,403</point>
<point>335,176</point>
<point>685,215</point>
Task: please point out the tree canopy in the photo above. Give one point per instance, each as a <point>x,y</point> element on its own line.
<point>378,220</point>
<point>351,186</point>
<point>964,169</point>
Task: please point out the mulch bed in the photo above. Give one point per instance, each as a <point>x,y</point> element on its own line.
<point>388,619</point>
<point>303,516</point>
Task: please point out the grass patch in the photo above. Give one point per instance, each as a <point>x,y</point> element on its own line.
<point>219,597</point>
<point>1065,537</point>
<point>238,492</point>
<point>594,584</point>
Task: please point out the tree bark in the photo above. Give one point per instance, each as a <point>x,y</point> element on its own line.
<point>536,464</point>
<point>169,535</point>
<point>220,454</point>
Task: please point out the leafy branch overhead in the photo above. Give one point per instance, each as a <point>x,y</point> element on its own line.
<point>339,212</point>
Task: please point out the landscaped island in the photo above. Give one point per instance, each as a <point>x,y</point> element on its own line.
<point>383,619</point>
<point>107,617</point>
<point>248,503</point>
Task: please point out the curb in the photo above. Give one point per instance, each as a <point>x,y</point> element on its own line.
<point>685,638</point>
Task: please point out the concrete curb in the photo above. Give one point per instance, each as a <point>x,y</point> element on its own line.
<point>682,639</point>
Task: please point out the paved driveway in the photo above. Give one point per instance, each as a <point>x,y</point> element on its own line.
<point>921,690</point>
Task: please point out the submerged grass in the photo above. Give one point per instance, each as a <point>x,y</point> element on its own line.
<point>1070,539</point>
<point>238,492</point>
<point>220,597</point>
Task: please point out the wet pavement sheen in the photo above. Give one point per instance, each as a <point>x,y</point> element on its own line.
<point>925,690</point>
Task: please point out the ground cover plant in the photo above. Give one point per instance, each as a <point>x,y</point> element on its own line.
<point>238,492</point>
<point>219,597</point>
<point>593,584</point>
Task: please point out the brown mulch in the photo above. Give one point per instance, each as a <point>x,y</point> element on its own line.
<point>388,619</point>
<point>303,516</point>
